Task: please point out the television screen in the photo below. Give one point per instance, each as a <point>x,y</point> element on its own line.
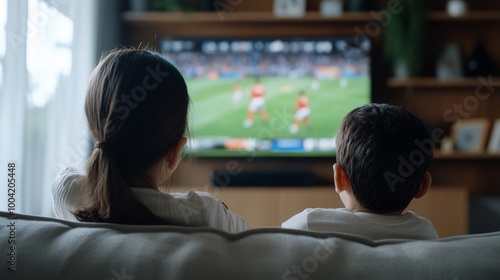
<point>270,97</point>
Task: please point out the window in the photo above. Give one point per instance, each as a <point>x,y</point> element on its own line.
<point>47,52</point>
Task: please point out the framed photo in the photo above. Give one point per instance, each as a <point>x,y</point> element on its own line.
<point>494,143</point>
<point>469,135</point>
<point>289,8</point>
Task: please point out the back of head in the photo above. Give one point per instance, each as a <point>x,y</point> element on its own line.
<point>385,152</point>
<point>136,107</point>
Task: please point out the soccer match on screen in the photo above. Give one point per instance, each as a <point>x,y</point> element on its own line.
<point>270,97</point>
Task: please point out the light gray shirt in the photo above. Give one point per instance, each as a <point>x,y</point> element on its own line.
<point>367,225</point>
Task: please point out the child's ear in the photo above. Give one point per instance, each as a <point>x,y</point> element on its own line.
<point>425,185</point>
<point>340,179</point>
<point>173,156</point>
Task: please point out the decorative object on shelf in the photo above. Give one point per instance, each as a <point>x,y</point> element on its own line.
<point>469,135</point>
<point>494,142</point>
<point>456,8</point>
<point>446,145</point>
<point>404,38</point>
<point>289,8</point>
<point>359,5</point>
<point>139,5</point>
<point>331,8</point>
<point>479,63</point>
<point>172,5</point>
<point>449,64</point>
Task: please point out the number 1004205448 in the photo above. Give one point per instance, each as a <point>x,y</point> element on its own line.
<point>11,187</point>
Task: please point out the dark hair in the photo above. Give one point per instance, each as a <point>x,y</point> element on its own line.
<point>385,152</point>
<point>136,107</point>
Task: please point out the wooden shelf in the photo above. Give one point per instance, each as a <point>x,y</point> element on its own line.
<point>200,17</point>
<point>431,82</point>
<point>144,28</point>
<point>438,155</point>
<point>472,16</point>
<point>353,17</point>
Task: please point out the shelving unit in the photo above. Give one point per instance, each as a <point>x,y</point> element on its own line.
<point>428,97</point>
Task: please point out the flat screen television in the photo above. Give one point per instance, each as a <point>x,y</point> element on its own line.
<point>270,97</point>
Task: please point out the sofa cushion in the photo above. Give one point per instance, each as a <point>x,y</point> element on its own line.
<point>47,248</point>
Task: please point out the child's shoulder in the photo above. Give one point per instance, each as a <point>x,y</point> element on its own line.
<point>325,213</point>
<point>67,178</point>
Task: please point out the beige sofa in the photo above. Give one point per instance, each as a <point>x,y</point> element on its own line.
<point>47,248</point>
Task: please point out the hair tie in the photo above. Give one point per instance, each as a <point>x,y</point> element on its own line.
<point>101,145</point>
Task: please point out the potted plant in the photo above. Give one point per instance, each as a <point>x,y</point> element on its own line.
<point>404,39</point>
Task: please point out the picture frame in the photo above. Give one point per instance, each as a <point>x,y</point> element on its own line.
<point>289,8</point>
<point>470,135</point>
<point>494,142</point>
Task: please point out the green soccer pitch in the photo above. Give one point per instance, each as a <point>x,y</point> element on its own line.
<point>215,115</point>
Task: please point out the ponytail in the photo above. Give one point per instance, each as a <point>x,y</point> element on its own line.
<point>110,200</point>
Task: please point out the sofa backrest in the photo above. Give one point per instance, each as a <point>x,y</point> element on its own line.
<point>47,248</point>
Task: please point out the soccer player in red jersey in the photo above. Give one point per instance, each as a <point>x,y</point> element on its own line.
<point>302,113</point>
<point>257,103</point>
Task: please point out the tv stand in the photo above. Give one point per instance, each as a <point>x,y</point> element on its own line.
<point>261,177</point>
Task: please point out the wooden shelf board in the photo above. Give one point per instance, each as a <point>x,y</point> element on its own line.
<point>193,17</point>
<point>431,82</point>
<point>438,155</point>
<point>359,17</point>
<point>472,16</point>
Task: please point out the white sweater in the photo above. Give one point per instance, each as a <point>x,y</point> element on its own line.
<point>367,225</point>
<point>198,209</point>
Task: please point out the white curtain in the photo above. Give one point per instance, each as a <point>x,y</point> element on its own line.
<point>47,52</point>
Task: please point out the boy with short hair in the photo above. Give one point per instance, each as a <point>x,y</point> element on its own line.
<point>383,153</point>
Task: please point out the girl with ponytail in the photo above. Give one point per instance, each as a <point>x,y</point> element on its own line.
<point>136,107</point>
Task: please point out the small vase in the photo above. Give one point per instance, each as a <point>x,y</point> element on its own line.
<point>401,70</point>
<point>331,8</point>
<point>456,8</point>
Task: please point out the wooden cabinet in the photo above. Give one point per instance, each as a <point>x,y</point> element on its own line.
<point>270,206</point>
